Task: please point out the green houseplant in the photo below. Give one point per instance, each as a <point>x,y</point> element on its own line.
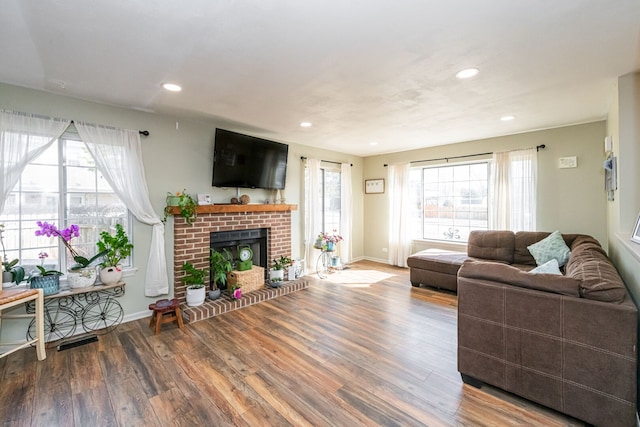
<point>276,273</point>
<point>194,280</point>
<point>186,203</point>
<point>220,266</point>
<point>13,270</point>
<point>116,248</point>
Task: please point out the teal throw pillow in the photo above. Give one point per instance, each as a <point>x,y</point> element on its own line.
<point>549,267</point>
<point>551,247</point>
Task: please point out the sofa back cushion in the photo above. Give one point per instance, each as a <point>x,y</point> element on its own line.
<point>599,278</point>
<point>494,245</point>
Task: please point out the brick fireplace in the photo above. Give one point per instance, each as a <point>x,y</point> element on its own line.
<point>191,242</point>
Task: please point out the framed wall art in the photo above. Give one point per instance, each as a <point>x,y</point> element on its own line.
<point>374,186</point>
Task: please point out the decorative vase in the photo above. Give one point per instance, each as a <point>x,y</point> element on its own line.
<point>276,275</point>
<point>195,296</point>
<point>291,272</point>
<point>110,275</point>
<point>331,246</point>
<point>49,284</point>
<point>214,294</point>
<point>82,277</point>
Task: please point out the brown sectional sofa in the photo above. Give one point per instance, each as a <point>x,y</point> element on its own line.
<point>565,341</point>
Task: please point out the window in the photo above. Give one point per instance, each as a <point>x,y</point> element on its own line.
<point>330,180</point>
<point>450,201</point>
<point>62,186</point>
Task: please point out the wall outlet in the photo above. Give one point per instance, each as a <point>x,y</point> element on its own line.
<point>384,249</point>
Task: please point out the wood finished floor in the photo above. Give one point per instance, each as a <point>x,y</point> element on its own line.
<point>362,348</point>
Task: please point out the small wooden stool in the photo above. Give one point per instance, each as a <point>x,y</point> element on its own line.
<point>164,311</point>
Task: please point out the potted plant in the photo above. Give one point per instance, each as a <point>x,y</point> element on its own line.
<point>185,202</point>
<point>11,271</point>
<point>194,280</point>
<point>276,273</point>
<point>220,266</point>
<point>116,249</point>
<point>81,274</point>
<point>47,280</point>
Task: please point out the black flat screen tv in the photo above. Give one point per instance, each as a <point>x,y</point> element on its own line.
<point>248,162</point>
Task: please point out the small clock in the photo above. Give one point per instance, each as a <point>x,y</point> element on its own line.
<point>245,254</point>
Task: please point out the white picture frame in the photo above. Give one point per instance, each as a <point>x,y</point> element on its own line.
<point>635,235</point>
<point>204,199</point>
<point>374,186</point>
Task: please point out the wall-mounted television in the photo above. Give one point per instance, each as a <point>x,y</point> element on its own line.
<point>248,162</point>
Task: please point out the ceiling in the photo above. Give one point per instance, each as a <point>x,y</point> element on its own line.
<point>362,71</point>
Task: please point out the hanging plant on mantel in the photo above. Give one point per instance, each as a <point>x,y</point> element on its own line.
<point>186,204</point>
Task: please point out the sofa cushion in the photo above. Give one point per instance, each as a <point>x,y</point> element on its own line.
<point>551,247</point>
<point>549,267</point>
<point>491,245</point>
<point>502,273</point>
<point>442,261</point>
<point>599,278</point>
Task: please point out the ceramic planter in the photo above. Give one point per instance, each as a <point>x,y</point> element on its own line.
<point>276,275</point>
<point>214,294</point>
<point>196,297</point>
<point>110,275</point>
<point>82,277</point>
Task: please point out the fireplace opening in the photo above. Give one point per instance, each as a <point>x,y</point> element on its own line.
<point>255,238</point>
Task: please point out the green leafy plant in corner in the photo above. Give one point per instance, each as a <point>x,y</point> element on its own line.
<point>194,277</point>
<point>220,266</point>
<point>115,248</point>
<point>186,204</point>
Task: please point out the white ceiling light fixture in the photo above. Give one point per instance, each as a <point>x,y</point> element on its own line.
<point>373,143</point>
<point>507,118</point>
<point>171,87</point>
<point>305,124</point>
<point>467,73</point>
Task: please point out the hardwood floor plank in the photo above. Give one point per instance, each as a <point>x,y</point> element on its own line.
<point>362,348</point>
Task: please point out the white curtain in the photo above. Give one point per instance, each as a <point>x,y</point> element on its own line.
<point>312,211</point>
<point>346,214</point>
<point>23,137</point>
<point>513,190</point>
<point>399,213</point>
<point>118,155</point>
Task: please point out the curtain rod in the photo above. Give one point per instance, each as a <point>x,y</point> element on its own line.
<point>538,148</point>
<point>303,158</point>
<point>141,132</point>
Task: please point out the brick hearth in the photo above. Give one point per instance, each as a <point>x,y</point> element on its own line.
<point>191,242</point>
<point>225,304</point>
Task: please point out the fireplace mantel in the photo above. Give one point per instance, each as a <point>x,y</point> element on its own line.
<point>234,208</point>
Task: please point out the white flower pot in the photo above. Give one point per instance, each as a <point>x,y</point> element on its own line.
<point>82,278</point>
<point>110,275</point>
<point>291,272</point>
<point>276,275</point>
<point>196,297</point>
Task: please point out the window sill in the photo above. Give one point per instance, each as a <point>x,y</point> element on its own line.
<point>442,244</point>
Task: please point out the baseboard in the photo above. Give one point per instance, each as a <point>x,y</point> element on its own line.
<point>381,261</point>
<point>135,316</point>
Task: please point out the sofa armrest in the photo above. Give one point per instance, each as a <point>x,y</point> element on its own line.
<point>508,275</point>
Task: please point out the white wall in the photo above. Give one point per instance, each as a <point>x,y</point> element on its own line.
<point>623,124</point>
<point>177,158</point>
<point>569,200</point>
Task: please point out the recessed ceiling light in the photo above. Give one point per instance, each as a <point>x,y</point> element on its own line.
<point>467,73</point>
<point>373,143</point>
<point>305,124</point>
<point>507,118</point>
<point>172,87</point>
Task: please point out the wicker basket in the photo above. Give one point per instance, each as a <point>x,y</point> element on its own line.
<point>249,280</point>
<point>49,284</point>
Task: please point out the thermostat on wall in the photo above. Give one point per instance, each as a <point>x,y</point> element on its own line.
<point>568,162</point>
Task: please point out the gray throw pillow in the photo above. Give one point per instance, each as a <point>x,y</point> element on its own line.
<point>551,247</point>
